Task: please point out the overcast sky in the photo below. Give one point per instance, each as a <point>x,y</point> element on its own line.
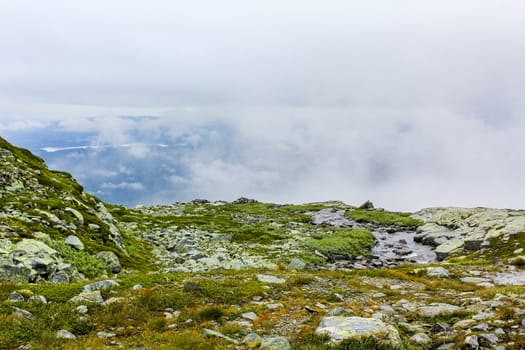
<point>408,103</point>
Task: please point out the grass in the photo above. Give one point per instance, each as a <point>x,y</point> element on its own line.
<point>383,217</point>
<point>343,242</point>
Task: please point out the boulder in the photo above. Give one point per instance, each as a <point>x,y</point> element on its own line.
<point>74,242</point>
<point>111,260</point>
<point>367,205</point>
<point>342,328</point>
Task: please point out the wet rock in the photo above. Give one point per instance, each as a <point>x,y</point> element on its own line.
<point>341,328</point>
<point>65,334</point>
<point>274,342</point>
<point>111,260</point>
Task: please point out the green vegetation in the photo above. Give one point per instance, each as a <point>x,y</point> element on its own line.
<point>343,242</point>
<point>383,217</point>
<point>83,261</point>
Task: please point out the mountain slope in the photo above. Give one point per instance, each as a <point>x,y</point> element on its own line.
<point>39,203</point>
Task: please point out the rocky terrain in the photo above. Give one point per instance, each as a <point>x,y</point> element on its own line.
<point>78,273</point>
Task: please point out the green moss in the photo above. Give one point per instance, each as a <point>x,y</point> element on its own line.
<point>383,217</point>
<point>83,261</point>
<point>344,242</point>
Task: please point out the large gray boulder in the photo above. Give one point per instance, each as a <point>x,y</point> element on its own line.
<point>29,260</point>
<point>342,328</point>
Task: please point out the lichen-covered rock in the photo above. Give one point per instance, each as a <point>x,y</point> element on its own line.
<point>100,285</point>
<point>341,328</point>
<point>274,342</point>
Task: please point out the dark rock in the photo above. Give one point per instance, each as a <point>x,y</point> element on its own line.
<point>244,200</point>
<point>367,205</point>
<point>200,201</point>
<point>191,287</point>
<point>440,327</point>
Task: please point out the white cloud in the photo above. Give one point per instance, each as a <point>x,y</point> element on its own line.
<point>135,186</point>
<point>406,103</point>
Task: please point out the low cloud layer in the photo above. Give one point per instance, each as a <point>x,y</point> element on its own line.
<point>407,104</point>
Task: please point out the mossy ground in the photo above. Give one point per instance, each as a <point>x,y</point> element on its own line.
<point>216,300</point>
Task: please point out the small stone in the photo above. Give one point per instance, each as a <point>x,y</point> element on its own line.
<point>420,339</point>
<point>296,264</point>
<point>274,342</point>
<point>38,299</point>
<point>463,324</point>
<point>16,297</point>
<point>82,309</point>
<point>64,334</point>
<point>270,279</point>
<point>337,311</point>
<point>274,306</point>
<point>74,242</point>
<point>105,335</point>
<point>211,333</point>
<point>21,313</point>
<point>89,297</point>
<point>481,327</point>
<point>100,285</point>
<point>472,342</point>
<point>137,287</point>
<point>439,272</point>
<point>487,340</point>
<point>446,346</point>
<point>251,316</point>
<point>252,340</point>
<point>320,306</point>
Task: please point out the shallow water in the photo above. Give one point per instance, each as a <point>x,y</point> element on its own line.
<point>400,246</point>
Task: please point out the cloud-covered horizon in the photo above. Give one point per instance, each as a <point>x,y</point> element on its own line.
<point>409,104</point>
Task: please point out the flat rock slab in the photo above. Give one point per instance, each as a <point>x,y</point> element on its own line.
<point>270,279</point>
<point>341,328</point>
<point>436,309</point>
<point>515,278</point>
